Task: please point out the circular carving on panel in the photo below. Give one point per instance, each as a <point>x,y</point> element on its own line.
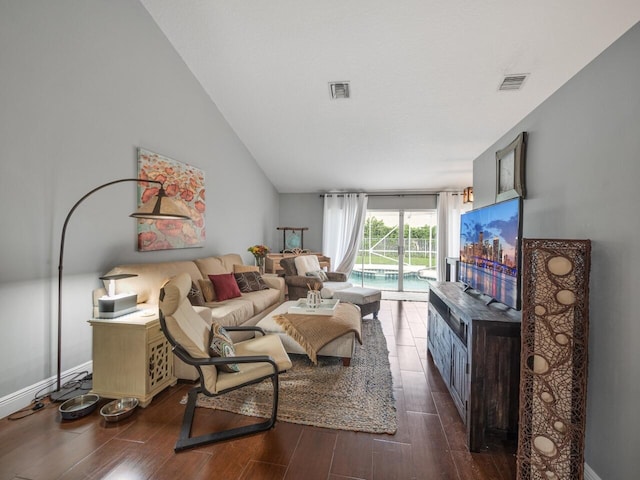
<point>550,475</point>
<point>545,446</point>
<point>538,364</point>
<point>562,339</point>
<point>560,427</point>
<point>547,397</point>
<point>540,310</point>
<point>560,266</point>
<point>566,297</point>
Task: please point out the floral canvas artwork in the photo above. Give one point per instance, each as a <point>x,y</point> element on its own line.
<point>181,181</point>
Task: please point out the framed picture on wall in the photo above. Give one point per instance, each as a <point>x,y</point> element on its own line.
<point>180,180</point>
<point>510,169</point>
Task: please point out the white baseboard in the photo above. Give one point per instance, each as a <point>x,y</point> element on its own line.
<point>589,474</point>
<point>22,398</point>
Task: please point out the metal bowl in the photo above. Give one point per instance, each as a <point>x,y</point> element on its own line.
<point>79,406</point>
<point>119,409</point>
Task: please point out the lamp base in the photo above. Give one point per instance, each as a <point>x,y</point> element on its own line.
<point>78,388</point>
<point>118,305</point>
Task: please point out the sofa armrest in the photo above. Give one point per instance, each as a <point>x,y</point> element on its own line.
<point>337,276</point>
<point>277,282</point>
<point>302,281</point>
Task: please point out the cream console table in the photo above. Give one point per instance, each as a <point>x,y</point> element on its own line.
<point>131,357</point>
<point>272,264</point>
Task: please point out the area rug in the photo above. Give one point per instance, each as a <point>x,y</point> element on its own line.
<point>358,397</point>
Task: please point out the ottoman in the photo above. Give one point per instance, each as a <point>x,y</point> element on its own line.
<point>368,299</point>
<point>342,347</point>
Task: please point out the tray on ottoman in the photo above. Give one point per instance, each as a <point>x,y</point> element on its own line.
<point>327,307</point>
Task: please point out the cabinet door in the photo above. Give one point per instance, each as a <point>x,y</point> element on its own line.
<point>459,376</point>
<point>159,365</point>
<point>439,343</point>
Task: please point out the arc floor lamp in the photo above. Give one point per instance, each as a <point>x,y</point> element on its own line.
<point>160,206</point>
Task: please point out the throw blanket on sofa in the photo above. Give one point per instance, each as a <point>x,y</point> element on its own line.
<point>313,332</point>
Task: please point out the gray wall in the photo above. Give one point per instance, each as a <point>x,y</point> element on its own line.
<point>83,84</point>
<point>583,168</point>
<point>302,210</point>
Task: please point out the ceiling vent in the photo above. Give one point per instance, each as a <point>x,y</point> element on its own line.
<point>513,81</point>
<point>339,90</point>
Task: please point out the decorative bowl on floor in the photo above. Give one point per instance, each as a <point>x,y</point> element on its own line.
<point>79,406</point>
<point>119,409</point>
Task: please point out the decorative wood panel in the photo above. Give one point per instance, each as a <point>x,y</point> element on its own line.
<point>553,376</point>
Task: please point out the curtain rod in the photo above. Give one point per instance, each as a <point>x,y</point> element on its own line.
<point>386,194</point>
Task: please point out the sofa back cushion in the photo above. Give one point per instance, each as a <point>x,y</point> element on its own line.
<point>218,265</point>
<point>151,277</point>
<point>289,266</point>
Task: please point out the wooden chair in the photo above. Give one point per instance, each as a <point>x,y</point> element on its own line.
<point>258,359</point>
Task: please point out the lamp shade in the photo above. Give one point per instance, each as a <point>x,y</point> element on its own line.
<point>161,207</point>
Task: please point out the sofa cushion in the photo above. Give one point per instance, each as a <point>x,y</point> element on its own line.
<point>220,345</point>
<point>250,282</point>
<point>225,286</point>
<point>263,299</point>
<point>218,265</point>
<point>210,266</point>
<point>232,313</point>
<point>229,260</point>
<point>208,292</point>
<point>307,263</point>
<point>245,268</point>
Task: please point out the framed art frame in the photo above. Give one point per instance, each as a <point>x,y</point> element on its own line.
<point>180,180</point>
<point>510,169</point>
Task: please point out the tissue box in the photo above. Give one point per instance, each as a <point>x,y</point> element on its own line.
<point>117,305</point>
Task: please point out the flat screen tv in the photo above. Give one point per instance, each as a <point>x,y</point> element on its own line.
<point>490,251</point>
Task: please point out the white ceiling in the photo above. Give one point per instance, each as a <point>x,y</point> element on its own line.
<point>424,79</point>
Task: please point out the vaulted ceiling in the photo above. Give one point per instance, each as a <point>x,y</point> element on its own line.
<point>423,76</point>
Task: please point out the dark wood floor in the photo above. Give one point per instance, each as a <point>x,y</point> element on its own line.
<point>429,443</point>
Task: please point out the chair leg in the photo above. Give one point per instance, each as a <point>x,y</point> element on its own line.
<point>185,441</point>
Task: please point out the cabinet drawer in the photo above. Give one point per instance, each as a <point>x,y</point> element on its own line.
<point>154,332</point>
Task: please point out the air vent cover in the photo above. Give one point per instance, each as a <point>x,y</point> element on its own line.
<point>513,81</point>
<point>339,90</point>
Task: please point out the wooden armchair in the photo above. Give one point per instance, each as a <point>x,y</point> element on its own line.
<point>298,282</point>
<point>257,359</point>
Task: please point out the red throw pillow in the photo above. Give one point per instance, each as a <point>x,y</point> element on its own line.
<point>225,286</point>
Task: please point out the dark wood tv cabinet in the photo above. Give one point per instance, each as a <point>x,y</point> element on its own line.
<point>476,348</point>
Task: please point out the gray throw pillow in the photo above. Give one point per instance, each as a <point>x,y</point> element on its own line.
<point>319,274</point>
<point>195,296</point>
<point>250,282</point>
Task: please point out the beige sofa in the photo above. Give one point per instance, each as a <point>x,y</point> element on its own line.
<point>248,309</point>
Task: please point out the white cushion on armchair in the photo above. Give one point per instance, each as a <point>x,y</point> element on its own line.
<point>310,263</point>
<point>306,263</point>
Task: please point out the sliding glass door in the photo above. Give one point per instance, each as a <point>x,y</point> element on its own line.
<point>398,250</point>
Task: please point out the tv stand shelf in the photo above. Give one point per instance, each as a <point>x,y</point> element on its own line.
<point>475,345</point>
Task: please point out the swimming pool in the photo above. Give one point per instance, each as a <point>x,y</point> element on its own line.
<point>385,277</point>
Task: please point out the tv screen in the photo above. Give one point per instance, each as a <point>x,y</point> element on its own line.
<point>490,251</point>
